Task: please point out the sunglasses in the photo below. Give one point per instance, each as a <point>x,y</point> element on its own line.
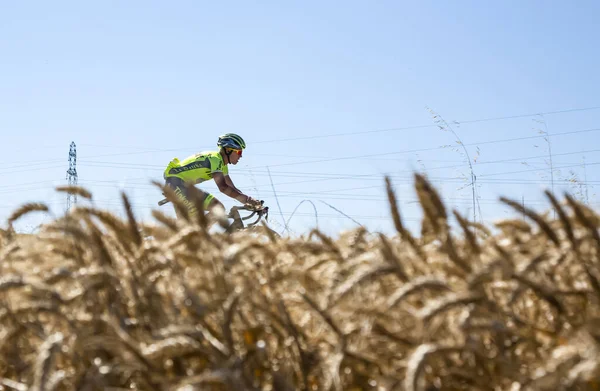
<point>238,151</point>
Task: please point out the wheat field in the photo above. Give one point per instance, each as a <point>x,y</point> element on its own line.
<point>95,302</point>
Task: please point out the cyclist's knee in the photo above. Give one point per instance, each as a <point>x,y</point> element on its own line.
<point>210,202</point>
<point>215,204</point>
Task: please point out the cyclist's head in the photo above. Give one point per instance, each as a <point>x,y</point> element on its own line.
<point>231,140</point>
<point>231,145</point>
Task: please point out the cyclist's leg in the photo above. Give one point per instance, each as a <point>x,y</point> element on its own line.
<point>180,189</point>
<point>212,204</point>
<point>215,209</point>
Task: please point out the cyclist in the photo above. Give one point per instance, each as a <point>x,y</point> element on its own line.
<point>205,166</point>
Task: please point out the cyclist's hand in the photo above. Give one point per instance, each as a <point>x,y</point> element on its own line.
<point>254,203</point>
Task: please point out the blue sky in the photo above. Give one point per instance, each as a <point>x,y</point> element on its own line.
<point>330,96</point>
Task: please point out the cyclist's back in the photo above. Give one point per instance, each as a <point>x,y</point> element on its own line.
<point>197,168</point>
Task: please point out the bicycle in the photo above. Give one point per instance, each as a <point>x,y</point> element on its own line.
<point>239,222</point>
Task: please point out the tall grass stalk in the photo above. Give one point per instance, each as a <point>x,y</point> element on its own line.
<point>580,188</point>
<point>277,201</point>
<point>550,161</point>
<point>444,126</point>
<point>587,195</point>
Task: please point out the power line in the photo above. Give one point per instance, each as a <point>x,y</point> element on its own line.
<point>23,169</point>
<point>416,127</point>
<point>145,166</point>
<point>477,164</point>
<point>435,148</point>
<point>316,177</point>
<point>373,197</point>
<point>402,128</point>
<point>539,169</point>
<point>407,180</point>
<point>35,185</point>
<point>332,176</point>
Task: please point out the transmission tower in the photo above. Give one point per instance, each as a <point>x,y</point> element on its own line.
<point>72,175</point>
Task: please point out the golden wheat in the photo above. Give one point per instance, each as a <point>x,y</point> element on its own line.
<point>98,302</point>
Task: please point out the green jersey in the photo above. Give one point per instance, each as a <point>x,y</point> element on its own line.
<point>197,168</point>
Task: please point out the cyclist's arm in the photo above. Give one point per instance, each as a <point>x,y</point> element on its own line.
<point>229,189</point>
<point>230,182</point>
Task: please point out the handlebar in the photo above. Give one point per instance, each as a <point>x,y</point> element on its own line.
<point>260,212</point>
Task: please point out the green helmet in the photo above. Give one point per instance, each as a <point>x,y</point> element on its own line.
<point>231,140</point>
